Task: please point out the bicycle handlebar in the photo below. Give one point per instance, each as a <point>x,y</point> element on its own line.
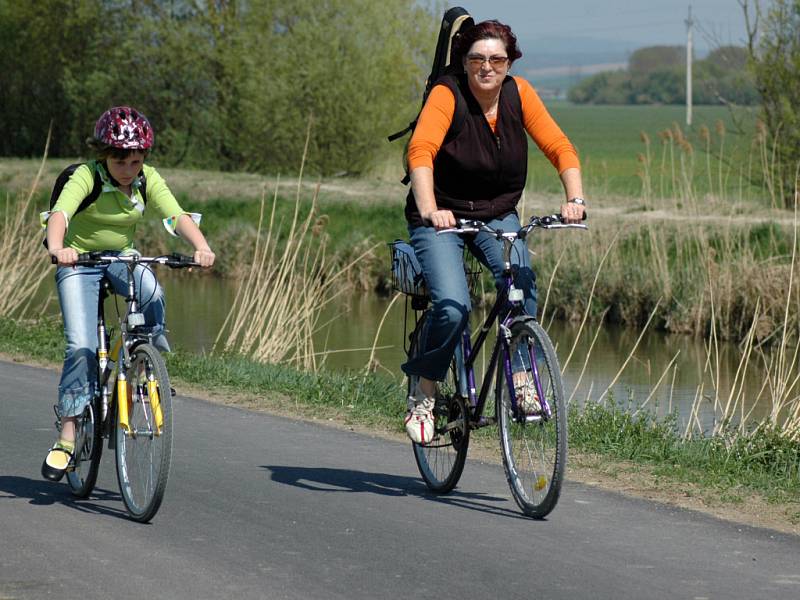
<point>554,221</point>
<point>98,257</point>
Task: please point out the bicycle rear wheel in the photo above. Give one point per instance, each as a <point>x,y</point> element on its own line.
<point>88,451</point>
<point>441,461</point>
<point>144,451</point>
<point>534,445</point>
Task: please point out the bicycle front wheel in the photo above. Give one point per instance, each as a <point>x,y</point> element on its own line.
<point>144,447</point>
<point>441,461</point>
<point>534,443</point>
<point>88,451</point>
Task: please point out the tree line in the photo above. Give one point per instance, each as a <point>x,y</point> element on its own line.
<point>227,84</point>
<point>657,75</point>
<point>773,44</point>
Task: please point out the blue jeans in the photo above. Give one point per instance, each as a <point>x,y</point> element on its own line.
<point>78,294</point>
<point>441,258</point>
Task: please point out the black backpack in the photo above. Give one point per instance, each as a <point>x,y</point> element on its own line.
<point>64,176</point>
<point>455,20</point>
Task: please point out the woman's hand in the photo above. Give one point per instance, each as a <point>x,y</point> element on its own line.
<point>440,219</point>
<point>204,257</point>
<point>572,212</point>
<point>65,257</point>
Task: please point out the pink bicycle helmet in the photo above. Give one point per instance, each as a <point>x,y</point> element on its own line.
<point>124,127</point>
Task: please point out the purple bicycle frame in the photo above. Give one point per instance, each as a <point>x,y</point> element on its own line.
<point>468,356</point>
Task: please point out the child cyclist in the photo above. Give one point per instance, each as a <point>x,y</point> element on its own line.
<point>122,141</point>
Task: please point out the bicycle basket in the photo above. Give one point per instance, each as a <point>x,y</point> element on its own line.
<point>406,271</point>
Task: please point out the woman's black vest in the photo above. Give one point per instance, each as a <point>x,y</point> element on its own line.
<point>479,173</point>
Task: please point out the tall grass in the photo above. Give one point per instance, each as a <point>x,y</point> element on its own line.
<point>290,280</point>
<point>697,166</point>
<point>778,369</point>
<point>23,262</point>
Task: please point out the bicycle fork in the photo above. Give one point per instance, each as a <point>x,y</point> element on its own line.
<point>527,360</point>
<point>152,399</point>
<point>155,403</point>
<point>105,360</point>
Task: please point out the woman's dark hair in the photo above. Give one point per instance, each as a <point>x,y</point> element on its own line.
<point>103,151</point>
<point>486,30</point>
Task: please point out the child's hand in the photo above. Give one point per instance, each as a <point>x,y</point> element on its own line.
<point>65,256</point>
<point>205,257</point>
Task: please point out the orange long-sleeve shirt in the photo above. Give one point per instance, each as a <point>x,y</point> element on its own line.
<point>437,115</point>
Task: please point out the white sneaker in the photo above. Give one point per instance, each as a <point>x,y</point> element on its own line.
<point>419,419</point>
<point>527,398</point>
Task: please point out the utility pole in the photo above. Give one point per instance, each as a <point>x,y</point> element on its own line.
<point>689,24</point>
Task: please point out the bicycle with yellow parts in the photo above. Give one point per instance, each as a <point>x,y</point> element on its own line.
<point>132,407</point>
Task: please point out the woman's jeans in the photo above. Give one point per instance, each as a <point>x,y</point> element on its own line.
<point>441,258</point>
<point>78,293</point>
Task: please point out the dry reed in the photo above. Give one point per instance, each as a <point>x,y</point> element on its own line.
<point>777,369</point>
<point>23,263</point>
<point>278,304</point>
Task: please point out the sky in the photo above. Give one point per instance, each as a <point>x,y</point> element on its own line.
<point>620,25</point>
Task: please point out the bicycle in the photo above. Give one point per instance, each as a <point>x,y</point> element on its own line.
<point>132,406</point>
<point>533,442</point>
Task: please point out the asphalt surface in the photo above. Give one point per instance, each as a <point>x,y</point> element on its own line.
<point>265,507</point>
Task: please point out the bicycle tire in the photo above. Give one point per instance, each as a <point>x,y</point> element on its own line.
<point>534,448</point>
<point>88,450</point>
<point>441,461</point>
<point>144,454</point>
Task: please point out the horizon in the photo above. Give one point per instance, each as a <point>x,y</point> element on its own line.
<point>616,23</point>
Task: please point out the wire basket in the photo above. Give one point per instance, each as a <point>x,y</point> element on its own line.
<point>406,270</point>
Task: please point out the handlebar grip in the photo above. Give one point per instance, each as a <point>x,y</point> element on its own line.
<point>85,257</point>
<point>181,258</point>
<point>176,261</point>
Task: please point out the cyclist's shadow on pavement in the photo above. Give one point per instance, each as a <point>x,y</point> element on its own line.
<point>320,479</point>
<point>45,493</point>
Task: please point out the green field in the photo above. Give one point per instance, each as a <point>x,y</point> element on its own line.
<point>609,140</point>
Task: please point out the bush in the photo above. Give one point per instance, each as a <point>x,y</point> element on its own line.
<point>775,60</point>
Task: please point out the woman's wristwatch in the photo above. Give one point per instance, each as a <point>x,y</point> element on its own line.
<point>579,201</point>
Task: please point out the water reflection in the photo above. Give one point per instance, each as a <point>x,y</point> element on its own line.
<point>669,370</point>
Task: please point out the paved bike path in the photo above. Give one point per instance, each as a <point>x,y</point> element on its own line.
<point>265,507</point>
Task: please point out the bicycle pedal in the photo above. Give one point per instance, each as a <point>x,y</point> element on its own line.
<point>172,392</point>
<point>58,418</point>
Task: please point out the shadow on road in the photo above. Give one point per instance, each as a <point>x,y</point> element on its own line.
<point>44,493</point>
<point>321,479</point>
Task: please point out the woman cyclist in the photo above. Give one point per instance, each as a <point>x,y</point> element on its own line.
<point>122,141</point>
<point>468,158</point>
